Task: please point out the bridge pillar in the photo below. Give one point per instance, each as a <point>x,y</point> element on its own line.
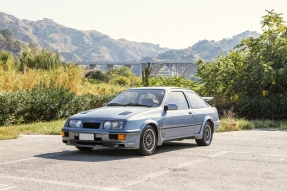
<point>109,66</point>
<point>92,66</point>
<point>127,65</point>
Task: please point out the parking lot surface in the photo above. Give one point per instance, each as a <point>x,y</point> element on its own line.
<point>243,160</point>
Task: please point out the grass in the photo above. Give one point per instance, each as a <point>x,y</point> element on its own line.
<point>243,124</point>
<point>45,128</point>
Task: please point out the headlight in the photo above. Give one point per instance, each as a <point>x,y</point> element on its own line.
<point>75,123</point>
<point>113,124</point>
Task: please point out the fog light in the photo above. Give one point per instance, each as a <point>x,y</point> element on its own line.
<point>121,137</point>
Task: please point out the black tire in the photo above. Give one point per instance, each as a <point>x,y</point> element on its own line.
<point>84,148</point>
<point>207,135</point>
<point>148,141</point>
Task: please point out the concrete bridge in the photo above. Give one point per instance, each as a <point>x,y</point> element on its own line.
<point>172,68</point>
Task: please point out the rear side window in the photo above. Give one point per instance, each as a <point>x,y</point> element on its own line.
<point>196,102</point>
<point>177,98</point>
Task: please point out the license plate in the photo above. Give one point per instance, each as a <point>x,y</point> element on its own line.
<point>86,137</point>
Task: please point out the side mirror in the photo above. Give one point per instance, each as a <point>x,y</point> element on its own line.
<point>105,104</point>
<point>170,106</point>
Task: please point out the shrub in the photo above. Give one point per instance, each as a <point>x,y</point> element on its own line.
<point>261,107</point>
<point>47,103</point>
<point>97,75</point>
<point>50,103</point>
<point>10,106</point>
<point>40,59</point>
<point>121,80</point>
<point>99,100</point>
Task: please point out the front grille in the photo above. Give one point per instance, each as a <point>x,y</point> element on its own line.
<point>91,125</point>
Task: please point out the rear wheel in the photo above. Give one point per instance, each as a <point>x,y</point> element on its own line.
<point>148,141</point>
<point>84,148</point>
<point>207,135</point>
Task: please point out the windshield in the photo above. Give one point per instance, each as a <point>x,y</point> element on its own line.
<point>144,97</point>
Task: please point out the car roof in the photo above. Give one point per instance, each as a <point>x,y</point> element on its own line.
<point>160,88</point>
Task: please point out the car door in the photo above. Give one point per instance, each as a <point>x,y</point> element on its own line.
<point>177,123</point>
<point>200,109</point>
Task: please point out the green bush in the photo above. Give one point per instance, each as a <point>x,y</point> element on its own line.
<point>10,106</point>
<point>40,59</point>
<point>121,80</point>
<point>44,103</point>
<point>51,103</point>
<point>97,75</point>
<point>99,100</point>
<point>260,107</point>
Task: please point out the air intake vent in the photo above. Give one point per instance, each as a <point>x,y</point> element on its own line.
<point>91,125</point>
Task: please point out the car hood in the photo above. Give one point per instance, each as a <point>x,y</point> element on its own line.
<point>111,112</point>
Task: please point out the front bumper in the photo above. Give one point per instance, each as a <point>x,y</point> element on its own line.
<point>70,136</point>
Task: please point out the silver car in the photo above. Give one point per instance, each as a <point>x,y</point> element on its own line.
<point>142,119</point>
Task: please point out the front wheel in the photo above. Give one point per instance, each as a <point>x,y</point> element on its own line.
<point>148,141</point>
<point>207,135</point>
<point>84,148</point>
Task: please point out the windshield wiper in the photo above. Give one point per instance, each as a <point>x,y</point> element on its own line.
<point>115,104</point>
<point>137,104</point>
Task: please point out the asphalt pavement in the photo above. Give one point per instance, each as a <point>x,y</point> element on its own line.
<point>242,160</point>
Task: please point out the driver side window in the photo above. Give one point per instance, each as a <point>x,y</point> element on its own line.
<point>177,98</point>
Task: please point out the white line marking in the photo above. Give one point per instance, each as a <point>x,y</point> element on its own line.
<point>15,161</point>
<point>22,142</point>
<point>262,154</point>
<point>70,184</point>
<point>165,171</point>
<point>33,158</point>
<point>217,154</point>
<point>6,187</point>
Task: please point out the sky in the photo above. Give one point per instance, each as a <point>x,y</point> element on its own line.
<point>175,24</point>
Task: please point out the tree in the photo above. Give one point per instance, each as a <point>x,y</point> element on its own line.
<point>7,34</point>
<point>7,61</point>
<point>41,59</point>
<point>253,75</point>
<point>123,71</point>
<point>146,74</point>
<point>33,45</point>
<point>17,45</point>
<point>2,39</point>
<point>263,84</point>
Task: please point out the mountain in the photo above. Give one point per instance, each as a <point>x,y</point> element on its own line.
<point>77,45</point>
<point>205,49</point>
<point>93,46</point>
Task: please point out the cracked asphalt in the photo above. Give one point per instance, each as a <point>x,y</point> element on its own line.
<point>242,160</point>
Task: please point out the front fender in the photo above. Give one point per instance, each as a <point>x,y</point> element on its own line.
<point>156,125</point>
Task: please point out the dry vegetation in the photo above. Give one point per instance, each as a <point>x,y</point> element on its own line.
<point>69,76</point>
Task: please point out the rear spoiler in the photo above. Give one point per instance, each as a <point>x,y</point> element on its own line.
<point>208,98</point>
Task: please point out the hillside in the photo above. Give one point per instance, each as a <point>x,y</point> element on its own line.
<point>77,45</point>
<point>205,49</point>
<point>93,46</point>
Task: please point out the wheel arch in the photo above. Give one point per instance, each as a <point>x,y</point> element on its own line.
<point>154,124</point>
<point>207,119</point>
